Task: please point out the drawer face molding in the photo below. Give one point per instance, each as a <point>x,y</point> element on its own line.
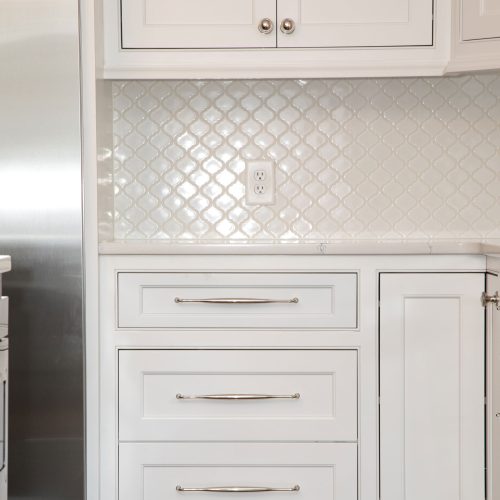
<point>234,395</point>
<point>249,300</point>
<point>320,471</point>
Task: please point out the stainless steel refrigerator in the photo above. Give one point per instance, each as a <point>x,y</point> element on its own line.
<point>41,228</point>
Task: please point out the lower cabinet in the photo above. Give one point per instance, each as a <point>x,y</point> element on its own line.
<point>403,408</point>
<point>305,471</point>
<point>432,373</point>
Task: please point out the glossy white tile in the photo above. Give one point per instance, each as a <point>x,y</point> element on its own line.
<point>355,159</point>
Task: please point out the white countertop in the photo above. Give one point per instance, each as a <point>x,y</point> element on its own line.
<point>4,263</point>
<point>341,247</point>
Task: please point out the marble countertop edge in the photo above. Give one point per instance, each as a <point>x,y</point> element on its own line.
<point>340,247</point>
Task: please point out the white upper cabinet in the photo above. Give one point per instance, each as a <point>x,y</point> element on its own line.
<point>354,23</point>
<point>177,24</point>
<point>475,36</point>
<point>296,38</point>
<point>167,24</point>
<point>480,19</point>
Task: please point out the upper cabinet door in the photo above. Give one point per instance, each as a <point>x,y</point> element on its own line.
<point>168,24</point>
<point>480,19</point>
<point>354,23</point>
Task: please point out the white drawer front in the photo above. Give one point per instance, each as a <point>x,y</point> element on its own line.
<point>317,395</point>
<point>155,471</point>
<point>170,300</point>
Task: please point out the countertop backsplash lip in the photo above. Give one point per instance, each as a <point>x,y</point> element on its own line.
<point>447,246</point>
<point>402,159</point>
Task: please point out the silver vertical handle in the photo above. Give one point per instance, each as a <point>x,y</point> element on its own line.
<point>178,300</point>
<point>238,489</point>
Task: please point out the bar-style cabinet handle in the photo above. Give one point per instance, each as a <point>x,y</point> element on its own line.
<point>239,396</point>
<point>178,300</point>
<point>238,489</point>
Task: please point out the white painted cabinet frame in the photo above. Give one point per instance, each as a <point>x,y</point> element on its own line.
<point>364,339</point>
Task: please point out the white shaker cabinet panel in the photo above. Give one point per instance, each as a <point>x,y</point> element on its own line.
<point>300,471</point>
<point>432,386</point>
<point>159,24</point>
<point>480,19</point>
<point>355,23</point>
<point>229,395</point>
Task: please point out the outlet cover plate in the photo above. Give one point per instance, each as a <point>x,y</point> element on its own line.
<point>260,185</point>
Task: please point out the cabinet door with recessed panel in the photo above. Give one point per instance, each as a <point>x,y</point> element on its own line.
<point>432,386</point>
<point>174,24</point>
<point>354,23</point>
<point>480,19</point>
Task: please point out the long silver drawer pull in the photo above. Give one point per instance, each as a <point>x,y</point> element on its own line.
<point>178,300</point>
<point>240,396</point>
<point>238,489</point>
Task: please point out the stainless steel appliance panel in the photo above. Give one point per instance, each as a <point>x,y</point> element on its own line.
<point>4,314</point>
<point>41,228</point>
<point>4,416</point>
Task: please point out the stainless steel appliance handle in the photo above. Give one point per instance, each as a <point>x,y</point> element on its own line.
<point>178,300</point>
<point>238,489</point>
<point>239,396</point>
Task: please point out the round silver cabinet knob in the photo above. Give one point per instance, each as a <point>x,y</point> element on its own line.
<point>266,26</point>
<point>287,26</point>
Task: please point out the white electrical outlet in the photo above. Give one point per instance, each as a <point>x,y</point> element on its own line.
<point>260,188</point>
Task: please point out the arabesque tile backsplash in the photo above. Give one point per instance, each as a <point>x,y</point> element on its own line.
<point>360,158</point>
